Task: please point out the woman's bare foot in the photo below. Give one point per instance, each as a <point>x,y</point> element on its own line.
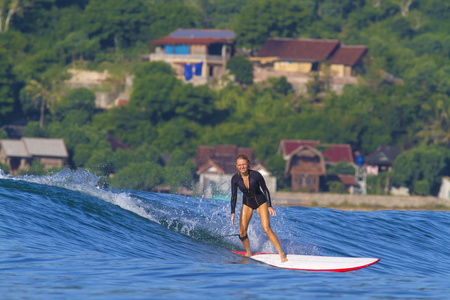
<point>283,258</point>
<point>248,254</point>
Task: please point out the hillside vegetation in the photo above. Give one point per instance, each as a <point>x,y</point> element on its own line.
<point>410,40</point>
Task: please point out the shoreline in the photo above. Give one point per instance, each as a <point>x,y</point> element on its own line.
<point>360,202</point>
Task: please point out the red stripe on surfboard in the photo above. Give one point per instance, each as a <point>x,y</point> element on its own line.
<point>314,270</point>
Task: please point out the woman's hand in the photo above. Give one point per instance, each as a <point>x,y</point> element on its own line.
<point>232,219</point>
<point>272,211</point>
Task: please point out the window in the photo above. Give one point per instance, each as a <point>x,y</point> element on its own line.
<point>178,49</point>
<point>182,49</point>
<point>169,49</point>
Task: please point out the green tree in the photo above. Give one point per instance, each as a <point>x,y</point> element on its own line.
<point>129,124</point>
<point>138,176</point>
<point>41,94</point>
<point>161,96</point>
<point>280,85</point>
<point>336,187</point>
<point>435,121</point>
<point>8,88</point>
<point>163,18</point>
<point>3,135</point>
<point>101,159</point>
<point>425,163</point>
<point>96,143</point>
<point>422,187</point>
<point>194,103</point>
<point>115,24</point>
<point>81,100</point>
<point>379,184</point>
<point>153,87</point>
<point>178,133</point>
<point>241,68</point>
<point>33,129</point>
<point>180,170</point>
<point>8,9</point>
<point>77,44</point>
<point>260,19</point>
<point>342,167</point>
<point>4,168</point>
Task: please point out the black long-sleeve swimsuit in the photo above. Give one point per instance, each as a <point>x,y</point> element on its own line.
<point>256,194</point>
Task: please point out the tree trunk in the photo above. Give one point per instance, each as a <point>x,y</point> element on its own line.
<point>386,186</point>
<point>404,7</point>
<point>41,123</point>
<point>11,12</point>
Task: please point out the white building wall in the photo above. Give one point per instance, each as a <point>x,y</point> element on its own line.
<point>444,191</point>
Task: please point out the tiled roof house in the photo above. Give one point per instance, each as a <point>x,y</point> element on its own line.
<point>296,59</point>
<point>381,159</point>
<point>332,153</point>
<point>306,162</point>
<point>19,154</point>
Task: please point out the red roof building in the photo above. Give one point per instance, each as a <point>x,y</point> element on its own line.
<point>332,153</point>
<point>348,55</point>
<point>307,50</point>
<point>306,162</point>
<point>297,59</point>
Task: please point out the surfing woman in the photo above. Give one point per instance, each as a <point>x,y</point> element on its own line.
<point>250,183</point>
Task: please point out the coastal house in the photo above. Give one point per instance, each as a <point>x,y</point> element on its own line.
<point>19,154</point>
<point>217,164</point>
<point>297,59</point>
<point>195,54</point>
<point>306,162</point>
<point>381,159</point>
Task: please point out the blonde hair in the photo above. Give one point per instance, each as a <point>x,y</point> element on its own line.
<point>243,156</point>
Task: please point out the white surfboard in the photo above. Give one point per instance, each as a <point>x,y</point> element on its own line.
<point>313,263</point>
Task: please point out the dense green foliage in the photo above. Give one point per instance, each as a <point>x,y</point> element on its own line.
<point>241,68</point>
<point>260,19</point>
<point>408,39</point>
<point>421,169</point>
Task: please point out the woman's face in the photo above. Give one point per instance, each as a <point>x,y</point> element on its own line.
<point>242,165</point>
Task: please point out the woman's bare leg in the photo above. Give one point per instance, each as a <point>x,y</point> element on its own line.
<point>263,213</point>
<point>244,220</point>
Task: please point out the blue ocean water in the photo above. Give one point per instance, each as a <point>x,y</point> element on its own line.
<point>61,237</point>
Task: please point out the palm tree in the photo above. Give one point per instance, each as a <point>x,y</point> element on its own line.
<point>436,130</point>
<point>13,7</point>
<point>41,94</point>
